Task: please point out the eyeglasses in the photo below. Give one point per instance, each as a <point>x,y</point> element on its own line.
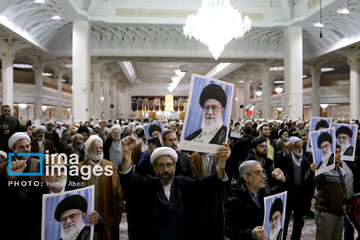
<point>72,217</point>
<point>213,108</point>
<point>163,165</point>
<point>325,146</point>
<point>96,148</point>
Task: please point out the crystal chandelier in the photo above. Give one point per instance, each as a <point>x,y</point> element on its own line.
<point>216,24</point>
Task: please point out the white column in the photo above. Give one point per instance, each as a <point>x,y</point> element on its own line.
<point>239,94</point>
<point>7,73</point>
<point>58,107</point>
<point>106,85</point>
<point>113,100</point>
<point>39,91</point>
<point>353,61</point>
<point>246,96</point>
<point>316,73</point>
<point>266,93</point>
<point>97,91</point>
<point>255,112</point>
<point>293,63</point>
<point>118,101</point>
<point>81,70</point>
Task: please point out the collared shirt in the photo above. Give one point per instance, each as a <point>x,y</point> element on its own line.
<point>255,199</point>
<point>270,150</point>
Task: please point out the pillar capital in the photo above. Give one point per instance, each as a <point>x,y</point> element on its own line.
<point>7,55</point>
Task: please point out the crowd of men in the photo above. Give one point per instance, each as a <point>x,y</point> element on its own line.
<point>168,193</point>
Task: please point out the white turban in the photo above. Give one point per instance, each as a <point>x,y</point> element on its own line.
<point>91,139</point>
<point>145,124</point>
<point>16,137</point>
<point>39,127</point>
<point>96,125</point>
<point>126,126</point>
<point>299,122</point>
<point>294,139</point>
<point>160,151</point>
<point>139,127</point>
<point>49,122</point>
<point>115,126</point>
<point>4,154</point>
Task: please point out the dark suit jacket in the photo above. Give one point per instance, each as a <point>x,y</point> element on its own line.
<point>219,138</point>
<point>349,151</point>
<point>152,216</point>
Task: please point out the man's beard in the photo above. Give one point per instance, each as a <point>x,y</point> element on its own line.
<point>344,146</point>
<point>40,139</point>
<point>165,178</point>
<point>274,232</point>
<point>298,154</point>
<point>58,184</point>
<point>211,125</point>
<point>116,138</point>
<point>325,157</point>
<point>264,155</point>
<point>96,156</point>
<point>70,232</point>
<point>79,146</point>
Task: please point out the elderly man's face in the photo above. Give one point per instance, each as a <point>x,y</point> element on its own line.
<point>325,148</point>
<point>72,221</point>
<point>212,109</point>
<point>343,139</point>
<point>96,151</point>
<point>156,134</point>
<point>164,169</point>
<point>275,221</point>
<point>171,140</point>
<point>256,178</point>
<point>40,134</point>
<point>285,135</point>
<point>298,148</point>
<point>115,134</point>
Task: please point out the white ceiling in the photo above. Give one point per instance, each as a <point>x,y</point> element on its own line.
<point>149,33</point>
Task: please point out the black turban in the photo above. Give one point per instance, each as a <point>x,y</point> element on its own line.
<point>344,130</point>
<point>276,206</point>
<point>321,124</point>
<point>71,202</point>
<point>324,137</point>
<point>154,128</point>
<point>83,129</point>
<point>213,91</point>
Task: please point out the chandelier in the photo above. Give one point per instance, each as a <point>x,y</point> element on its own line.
<point>216,24</point>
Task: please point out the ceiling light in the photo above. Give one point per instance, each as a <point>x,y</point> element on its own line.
<point>176,79</point>
<point>318,25</point>
<point>39,1</point>
<point>68,65</point>
<point>305,76</point>
<point>343,11</point>
<point>279,90</point>
<point>72,87</point>
<point>329,69</point>
<point>46,74</point>
<point>56,17</point>
<point>179,73</point>
<point>102,99</point>
<point>44,108</point>
<point>277,69</point>
<point>63,80</point>
<point>216,24</point>
<point>241,81</point>
<point>278,81</point>
<point>22,106</point>
<point>324,105</point>
<point>24,66</point>
<point>258,93</point>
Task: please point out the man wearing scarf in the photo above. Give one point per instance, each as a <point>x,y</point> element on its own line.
<point>295,165</point>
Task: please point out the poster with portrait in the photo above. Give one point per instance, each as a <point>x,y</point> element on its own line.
<point>64,215</point>
<point>236,130</point>
<point>346,136</point>
<point>207,114</point>
<point>323,150</point>
<point>153,129</point>
<point>274,215</point>
<point>318,123</point>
